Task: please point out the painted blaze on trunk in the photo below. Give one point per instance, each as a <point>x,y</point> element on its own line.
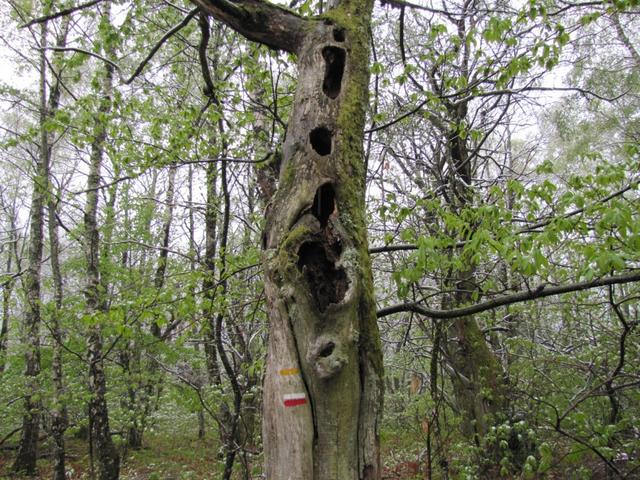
<point>322,398</point>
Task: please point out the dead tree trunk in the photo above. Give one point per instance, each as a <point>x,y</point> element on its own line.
<point>322,392</point>
<point>323,382</point>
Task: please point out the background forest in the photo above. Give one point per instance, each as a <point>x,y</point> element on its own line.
<point>140,145</point>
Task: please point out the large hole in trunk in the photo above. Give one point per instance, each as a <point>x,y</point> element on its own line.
<point>326,283</point>
<point>334,58</point>
<point>320,139</point>
<point>324,203</point>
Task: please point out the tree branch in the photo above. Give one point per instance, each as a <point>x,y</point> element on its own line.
<point>164,38</point>
<point>528,229</point>
<point>61,13</point>
<point>259,21</point>
<point>183,23</point>
<point>85,52</point>
<point>539,292</point>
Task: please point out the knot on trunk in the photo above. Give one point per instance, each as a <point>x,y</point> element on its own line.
<point>326,357</point>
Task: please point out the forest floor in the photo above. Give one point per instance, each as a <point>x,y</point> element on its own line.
<point>163,458</point>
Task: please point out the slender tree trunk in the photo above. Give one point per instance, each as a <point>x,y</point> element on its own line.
<point>27,449</point>
<point>6,310</point>
<point>209,284</point>
<point>477,376</point>
<point>141,397</point>
<point>161,268</point>
<point>323,383</point>
<point>107,459</point>
<point>211,210</point>
<point>59,412</point>
<point>202,425</point>
<point>7,289</point>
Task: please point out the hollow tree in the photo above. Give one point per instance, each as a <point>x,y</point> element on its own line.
<point>322,389</point>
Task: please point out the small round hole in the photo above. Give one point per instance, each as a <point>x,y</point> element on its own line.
<point>338,34</point>
<point>327,350</point>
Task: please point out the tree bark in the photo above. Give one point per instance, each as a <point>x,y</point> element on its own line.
<point>107,458</point>
<point>477,377</point>
<point>323,381</point>
<point>6,295</point>
<point>59,411</point>
<point>27,455</point>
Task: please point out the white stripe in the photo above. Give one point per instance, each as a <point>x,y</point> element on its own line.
<point>294,396</point>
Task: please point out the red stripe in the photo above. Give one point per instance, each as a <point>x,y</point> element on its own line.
<point>295,402</point>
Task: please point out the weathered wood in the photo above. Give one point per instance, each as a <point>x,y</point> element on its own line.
<point>323,344</point>
<point>323,382</point>
<point>259,21</point>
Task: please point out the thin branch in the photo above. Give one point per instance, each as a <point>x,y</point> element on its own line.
<point>527,229</point>
<point>392,248</point>
<point>61,13</point>
<point>511,91</point>
<point>183,23</point>
<point>192,13</point>
<point>12,277</point>
<point>85,52</point>
<point>418,107</point>
<point>10,434</point>
<point>403,3</point>
<point>398,119</point>
<point>541,291</point>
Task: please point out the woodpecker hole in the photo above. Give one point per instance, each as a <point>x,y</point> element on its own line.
<point>320,139</point>
<point>338,34</point>
<point>324,203</point>
<point>334,58</point>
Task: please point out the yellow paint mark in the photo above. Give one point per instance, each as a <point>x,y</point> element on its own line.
<point>289,371</point>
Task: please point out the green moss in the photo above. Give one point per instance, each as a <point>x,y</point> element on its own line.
<point>288,176</point>
<point>288,250</point>
<point>354,18</point>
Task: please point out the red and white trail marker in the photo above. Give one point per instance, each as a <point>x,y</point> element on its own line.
<point>294,399</point>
